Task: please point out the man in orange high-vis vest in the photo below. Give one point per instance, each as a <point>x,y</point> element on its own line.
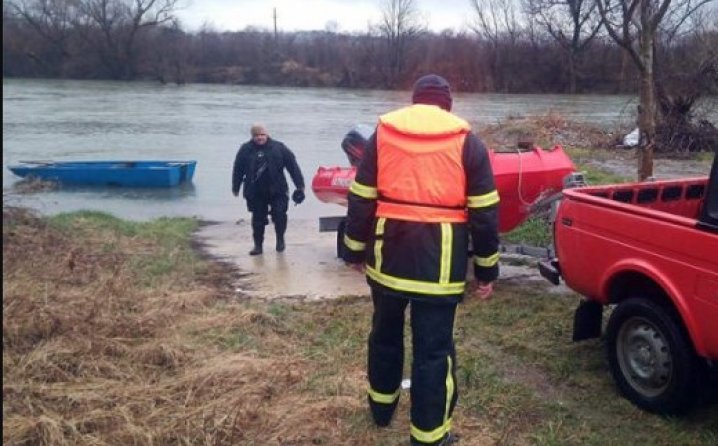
<point>424,186</point>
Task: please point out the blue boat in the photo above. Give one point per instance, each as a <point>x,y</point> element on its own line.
<point>108,173</point>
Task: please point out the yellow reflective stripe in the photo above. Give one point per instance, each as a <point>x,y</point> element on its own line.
<point>379,243</point>
<point>446,240</point>
<point>383,398</point>
<point>487,261</point>
<point>449,389</point>
<point>482,201</point>
<point>363,191</point>
<point>431,436</point>
<point>353,244</point>
<point>415,286</point>
<point>380,225</point>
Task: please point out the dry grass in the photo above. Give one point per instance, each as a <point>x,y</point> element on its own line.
<point>113,334</point>
<point>99,349</point>
<point>90,356</point>
<point>32,185</point>
<point>546,131</point>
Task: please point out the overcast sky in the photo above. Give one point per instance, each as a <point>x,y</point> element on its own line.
<point>293,15</point>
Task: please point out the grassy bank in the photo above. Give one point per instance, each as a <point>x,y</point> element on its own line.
<point>118,333</point>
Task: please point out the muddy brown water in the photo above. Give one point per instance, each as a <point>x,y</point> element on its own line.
<point>78,120</point>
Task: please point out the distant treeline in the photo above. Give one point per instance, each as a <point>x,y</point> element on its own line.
<point>88,42</point>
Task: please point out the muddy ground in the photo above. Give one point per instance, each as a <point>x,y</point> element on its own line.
<point>308,270</point>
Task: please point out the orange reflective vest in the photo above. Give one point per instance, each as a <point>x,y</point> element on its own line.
<point>420,174</point>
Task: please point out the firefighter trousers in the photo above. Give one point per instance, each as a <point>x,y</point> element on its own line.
<point>433,370</point>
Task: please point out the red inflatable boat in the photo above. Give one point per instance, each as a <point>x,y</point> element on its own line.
<point>522,178</point>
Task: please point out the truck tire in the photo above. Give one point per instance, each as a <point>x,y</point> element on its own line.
<point>651,357</point>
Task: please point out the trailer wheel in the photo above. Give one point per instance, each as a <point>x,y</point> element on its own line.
<point>651,357</point>
<point>340,237</point>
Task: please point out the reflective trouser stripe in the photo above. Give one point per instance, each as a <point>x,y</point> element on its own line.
<point>354,245</point>
<point>433,435</point>
<point>438,433</point>
<point>487,261</point>
<point>383,398</point>
<point>449,388</point>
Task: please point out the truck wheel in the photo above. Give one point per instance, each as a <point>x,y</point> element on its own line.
<point>651,357</point>
<point>340,237</point>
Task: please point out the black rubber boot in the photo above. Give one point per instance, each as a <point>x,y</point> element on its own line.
<point>280,227</point>
<point>258,236</point>
<point>449,439</point>
<point>382,413</point>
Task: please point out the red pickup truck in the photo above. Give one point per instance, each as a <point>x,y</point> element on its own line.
<point>649,251</point>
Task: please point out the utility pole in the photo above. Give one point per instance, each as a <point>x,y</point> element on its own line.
<point>275,23</point>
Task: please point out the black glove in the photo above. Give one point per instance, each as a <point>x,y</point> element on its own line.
<point>298,196</point>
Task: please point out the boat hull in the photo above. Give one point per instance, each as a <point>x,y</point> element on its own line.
<point>522,178</point>
<point>109,173</point>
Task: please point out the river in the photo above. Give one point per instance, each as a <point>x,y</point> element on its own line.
<point>95,120</point>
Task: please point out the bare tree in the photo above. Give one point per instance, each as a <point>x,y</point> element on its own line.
<point>498,23</point>
<point>496,19</point>
<point>126,39</point>
<point>633,24</point>
<point>572,23</point>
<point>53,21</point>
<point>119,22</point>
<point>689,72</point>
<point>168,58</point>
<point>400,24</point>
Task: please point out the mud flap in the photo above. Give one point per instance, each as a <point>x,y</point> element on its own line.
<point>587,320</point>
<point>549,270</point>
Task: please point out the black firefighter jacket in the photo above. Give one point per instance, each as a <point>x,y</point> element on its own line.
<point>411,253</point>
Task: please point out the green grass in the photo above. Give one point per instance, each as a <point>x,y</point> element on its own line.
<point>168,249</point>
<point>706,157</point>
<point>167,231</point>
<point>594,176</point>
<point>519,374</point>
<point>536,230</point>
<point>522,341</point>
<point>597,177</point>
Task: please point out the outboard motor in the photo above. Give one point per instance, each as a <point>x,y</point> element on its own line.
<point>355,141</point>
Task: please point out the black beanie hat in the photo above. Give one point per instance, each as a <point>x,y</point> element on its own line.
<point>432,89</point>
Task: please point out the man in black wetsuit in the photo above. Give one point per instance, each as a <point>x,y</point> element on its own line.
<point>260,165</point>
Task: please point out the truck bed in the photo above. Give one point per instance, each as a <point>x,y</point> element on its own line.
<point>663,199</point>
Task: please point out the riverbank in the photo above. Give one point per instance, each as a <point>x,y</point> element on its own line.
<point>118,332</point>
